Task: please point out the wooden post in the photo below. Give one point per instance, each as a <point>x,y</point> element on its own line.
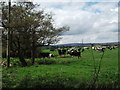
<point>8,38</point>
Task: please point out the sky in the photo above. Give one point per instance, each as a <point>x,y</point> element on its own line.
<point>90,21</point>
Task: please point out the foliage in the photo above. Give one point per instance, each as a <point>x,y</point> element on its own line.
<point>29,29</point>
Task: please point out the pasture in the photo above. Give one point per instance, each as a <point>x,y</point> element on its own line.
<point>63,72</point>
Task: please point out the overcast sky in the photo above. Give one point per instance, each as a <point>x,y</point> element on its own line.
<point>89,20</point>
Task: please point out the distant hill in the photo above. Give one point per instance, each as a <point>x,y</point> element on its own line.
<point>87,44</point>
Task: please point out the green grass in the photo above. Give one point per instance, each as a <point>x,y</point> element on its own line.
<point>63,72</point>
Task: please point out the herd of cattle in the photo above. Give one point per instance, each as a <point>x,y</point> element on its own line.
<point>66,51</point>
<point>70,51</point>
<point>75,52</point>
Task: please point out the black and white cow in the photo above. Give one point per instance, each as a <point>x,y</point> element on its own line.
<point>62,52</point>
<point>74,52</point>
<point>100,49</point>
<point>45,55</point>
<point>85,48</point>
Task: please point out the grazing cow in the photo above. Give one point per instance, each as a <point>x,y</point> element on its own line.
<point>51,55</point>
<point>83,50</point>
<point>104,47</point>
<point>62,51</point>
<point>94,48</point>
<point>85,47</point>
<point>74,52</point>
<point>100,49</point>
<point>45,55</point>
<point>110,47</point>
<point>3,63</point>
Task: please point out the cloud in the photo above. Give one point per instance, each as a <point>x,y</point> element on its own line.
<point>93,22</point>
<point>75,0</point>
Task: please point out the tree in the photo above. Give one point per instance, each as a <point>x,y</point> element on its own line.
<point>29,29</point>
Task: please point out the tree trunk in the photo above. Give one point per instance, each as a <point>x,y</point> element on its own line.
<point>21,55</point>
<point>33,48</point>
<point>23,62</point>
<point>33,56</point>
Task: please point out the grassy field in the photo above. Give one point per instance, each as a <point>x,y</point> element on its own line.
<point>63,72</point>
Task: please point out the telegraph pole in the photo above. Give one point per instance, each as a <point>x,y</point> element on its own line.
<point>1,30</point>
<point>82,42</point>
<point>8,38</point>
